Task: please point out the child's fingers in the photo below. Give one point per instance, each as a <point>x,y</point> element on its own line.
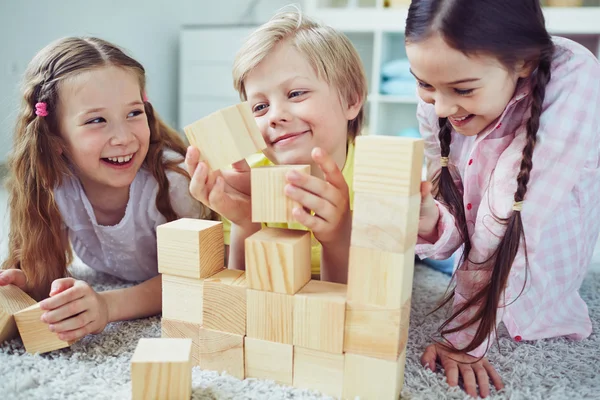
<point>493,374</point>
<point>317,186</point>
<point>192,157</point>
<point>470,383</point>
<point>332,173</point>
<point>483,380</point>
<point>63,293</point>
<point>451,369</point>
<point>312,222</point>
<point>76,334</point>
<point>198,183</point>
<point>13,277</point>
<point>429,358</point>
<point>65,312</point>
<point>241,166</point>
<point>311,201</point>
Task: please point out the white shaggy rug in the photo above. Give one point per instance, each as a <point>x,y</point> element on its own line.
<point>97,367</point>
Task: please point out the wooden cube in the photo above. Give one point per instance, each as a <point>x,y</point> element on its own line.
<point>388,165</point>
<point>385,222</point>
<point>191,248</point>
<point>376,331</point>
<point>162,369</point>
<point>270,316</point>
<point>221,351</point>
<point>182,299</point>
<point>278,260</point>
<point>319,315</point>
<point>372,378</point>
<point>224,305</point>
<point>269,201</point>
<point>319,370</point>
<point>182,330</point>
<point>35,334</point>
<point>269,360</point>
<point>12,300</point>
<point>380,278</point>
<point>226,136</point>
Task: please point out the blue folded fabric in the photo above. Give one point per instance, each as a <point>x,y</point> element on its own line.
<point>400,87</point>
<point>396,69</point>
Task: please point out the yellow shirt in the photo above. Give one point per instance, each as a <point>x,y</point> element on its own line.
<point>260,160</point>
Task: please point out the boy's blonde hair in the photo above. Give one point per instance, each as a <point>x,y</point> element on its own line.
<point>329,52</point>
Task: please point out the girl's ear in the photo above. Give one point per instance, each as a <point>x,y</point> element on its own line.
<point>525,68</point>
<point>353,109</point>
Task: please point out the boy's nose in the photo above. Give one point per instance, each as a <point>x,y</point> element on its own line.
<point>277,115</point>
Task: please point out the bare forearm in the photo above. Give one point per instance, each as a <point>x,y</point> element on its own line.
<point>334,263</point>
<point>138,301</point>
<point>238,236</point>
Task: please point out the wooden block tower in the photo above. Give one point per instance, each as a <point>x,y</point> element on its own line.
<point>384,232</point>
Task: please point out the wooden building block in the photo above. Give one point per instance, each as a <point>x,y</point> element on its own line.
<point>12,300</point>
<point>376,331</point>
<point>278,260</point>
<point>319,370</point>
<point>192,248</point>
<point>269,201</point>
<point>224,304</point>
<point>182,330</point>
<point>226,136</point>
<point>182,298</point>
<point>269,316</point>
<point>221,351</point>
<point>372,378</point>
<point>380,278</point>
<point>319,315</point>
<point>35,334</point>
<point>388,165</point>
<point>385,222</point>
<point>269,360</point>
<point>162,369</point>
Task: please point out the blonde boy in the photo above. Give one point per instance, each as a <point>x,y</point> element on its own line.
<point>306,86</point>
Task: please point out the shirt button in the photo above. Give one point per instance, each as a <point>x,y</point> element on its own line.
<point>470,161</point>
<point>499,125</point>
<point>518,338</point>
<point>469,206</point>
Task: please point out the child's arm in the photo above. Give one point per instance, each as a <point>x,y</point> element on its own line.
<point>236,257</point>
<point>331,223</point>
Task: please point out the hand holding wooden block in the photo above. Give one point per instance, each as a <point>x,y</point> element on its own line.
<point>162,369</point>
<point>192,248</point>
<point>224,304</point>
<point>319,315</point>
<point>269,201</point>
<point>35,334</point>
<point>12,300</point>
<point>226,136</point>
<point>278,260</point>
<point>388,165</point>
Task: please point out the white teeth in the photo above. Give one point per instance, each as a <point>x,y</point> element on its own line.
<point>461,119</point>
<point>122,159</point>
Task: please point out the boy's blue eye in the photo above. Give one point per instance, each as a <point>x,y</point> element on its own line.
<point>463,92</point>
<point>259,107</point>
<point>297,93</point>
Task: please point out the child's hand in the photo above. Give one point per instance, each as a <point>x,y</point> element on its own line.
<point>74,309</point>
<point>473,372</point>
<point>429,214</point>
<point>13,277</point>
<point>226,192</point>
<point>329,199</point>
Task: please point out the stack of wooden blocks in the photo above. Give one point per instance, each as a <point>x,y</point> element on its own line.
<point>272,321</point>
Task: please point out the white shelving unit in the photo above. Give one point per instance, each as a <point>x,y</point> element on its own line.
<point>378,34</point>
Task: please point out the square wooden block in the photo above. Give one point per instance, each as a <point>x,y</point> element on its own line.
<point>12,300</point>
<point>35,334</point>
<point>385,222</point>
<point>269,201</point>
<point>269,360</point>
<point>191,248</point>
<point>270,316</point>
<point>224,305</point>
<point>162,369</point>
<point>373,378</point>
<point>376,331</point>
<point>319,315</point>
<point>388,165</point>
<point>182,298</point>
<point>380,278</point>
<point>221,351</point>
<point>182,330</point>
<point>319,370</point>
<point>226,136</point>
<point>278,260</point>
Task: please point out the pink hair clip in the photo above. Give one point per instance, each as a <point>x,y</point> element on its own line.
<point>145,97</point>
<point>41,109</point>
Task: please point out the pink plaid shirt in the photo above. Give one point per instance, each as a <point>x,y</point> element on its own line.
<point>561,211</point>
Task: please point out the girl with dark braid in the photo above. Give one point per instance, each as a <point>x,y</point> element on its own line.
<point>511,122</point>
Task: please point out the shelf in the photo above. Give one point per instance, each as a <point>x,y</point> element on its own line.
<point>391,99</point>
<point>559,20</point>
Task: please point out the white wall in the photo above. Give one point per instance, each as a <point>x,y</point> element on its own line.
<point>147,29</point>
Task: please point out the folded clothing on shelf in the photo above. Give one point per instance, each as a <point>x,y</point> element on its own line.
<point>396,78</point>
